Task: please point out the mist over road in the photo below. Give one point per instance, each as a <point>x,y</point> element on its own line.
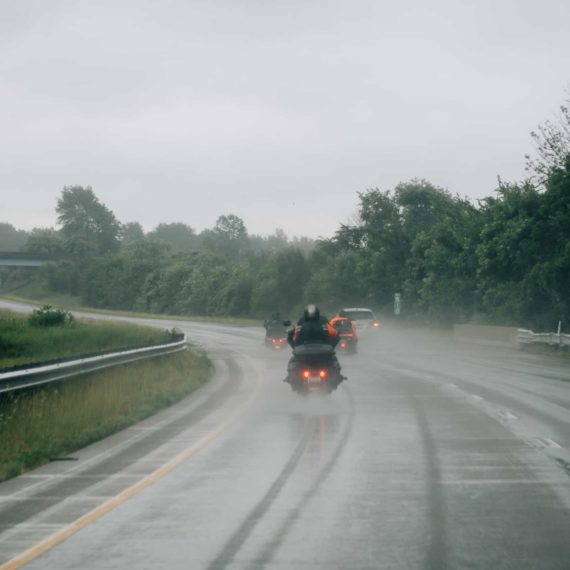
<point>432,455</point>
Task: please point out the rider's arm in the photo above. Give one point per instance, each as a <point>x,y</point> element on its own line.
<point>292,336</point>
<point>332,334</point>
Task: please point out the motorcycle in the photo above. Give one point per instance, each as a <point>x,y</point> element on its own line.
<point>276,334</point>
<point>314,369</point>
<point>275,341</point>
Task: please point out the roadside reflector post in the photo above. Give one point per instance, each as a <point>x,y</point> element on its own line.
<point>397,303</point>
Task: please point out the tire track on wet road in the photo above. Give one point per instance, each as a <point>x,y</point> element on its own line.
<point>236,541</point>
<point>436,552</point>
<point>268,552</point>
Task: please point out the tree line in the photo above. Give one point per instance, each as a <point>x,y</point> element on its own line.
<point>222,270</point>
<point>504,259</point>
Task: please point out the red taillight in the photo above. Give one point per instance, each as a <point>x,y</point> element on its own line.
<point>307,374</point>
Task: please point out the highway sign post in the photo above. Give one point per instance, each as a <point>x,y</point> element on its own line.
<point>397,303</point>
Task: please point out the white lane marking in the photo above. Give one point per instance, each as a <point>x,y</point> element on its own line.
<point>506,415</point>
<point>543,443</point>
<point>502,415</point>
<point>483,482</point>
<point>406,371</point>
<point>414,374</point>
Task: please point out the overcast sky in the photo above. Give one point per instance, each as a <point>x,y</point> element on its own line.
<point>278,111</point>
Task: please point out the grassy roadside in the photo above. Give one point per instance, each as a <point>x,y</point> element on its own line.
<point>72,303</point>
<point>22,343</point>
<point>547,350</point>
<point>61,418</point>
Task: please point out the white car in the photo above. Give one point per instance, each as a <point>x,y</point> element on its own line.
<point>363,318</point>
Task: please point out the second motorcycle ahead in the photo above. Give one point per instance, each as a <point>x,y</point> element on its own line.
<point>276,332</point>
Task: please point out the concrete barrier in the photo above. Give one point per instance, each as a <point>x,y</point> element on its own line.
<point>488,335</point>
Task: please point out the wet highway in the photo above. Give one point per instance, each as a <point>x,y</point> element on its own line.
<point>432,455</point>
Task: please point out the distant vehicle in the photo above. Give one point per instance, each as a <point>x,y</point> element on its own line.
<point>276,332</point>
<point>276,336</point>
<point>276,340</point>
<point>363,318</point>
<point>346,330</point>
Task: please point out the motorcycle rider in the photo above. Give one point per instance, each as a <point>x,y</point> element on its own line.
<point>274,321</point>
<point>313,328</point>
<point>274,326</point>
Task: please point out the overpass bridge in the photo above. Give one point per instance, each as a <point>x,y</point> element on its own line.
<point>24,259</point>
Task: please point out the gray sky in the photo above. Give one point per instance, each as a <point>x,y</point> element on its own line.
<point>276,110</point>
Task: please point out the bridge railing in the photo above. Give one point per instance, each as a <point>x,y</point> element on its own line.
<point>26,259</point>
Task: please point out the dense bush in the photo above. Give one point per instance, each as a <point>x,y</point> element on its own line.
<point>48,316</point>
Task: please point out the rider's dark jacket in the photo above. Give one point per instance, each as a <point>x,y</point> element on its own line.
<point>312,331</point>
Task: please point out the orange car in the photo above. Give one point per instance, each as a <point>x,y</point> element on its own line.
<point>347,333</point>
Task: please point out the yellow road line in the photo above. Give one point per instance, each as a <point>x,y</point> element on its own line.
<point>63,534</point>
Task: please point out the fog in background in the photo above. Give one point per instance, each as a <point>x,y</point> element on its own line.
<point>277,111</point>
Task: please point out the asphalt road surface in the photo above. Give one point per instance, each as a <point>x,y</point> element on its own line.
<point>432,455</point>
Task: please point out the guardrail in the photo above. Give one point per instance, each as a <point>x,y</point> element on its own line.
<point>486,335</point>
<point>35,376</point>
<point>525,336</point>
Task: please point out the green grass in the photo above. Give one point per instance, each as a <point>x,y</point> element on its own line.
<point>21,343</point>
<point>545,349</point>
<point>33,292</point>
<point>59,419</point>
<point>34,296</point>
